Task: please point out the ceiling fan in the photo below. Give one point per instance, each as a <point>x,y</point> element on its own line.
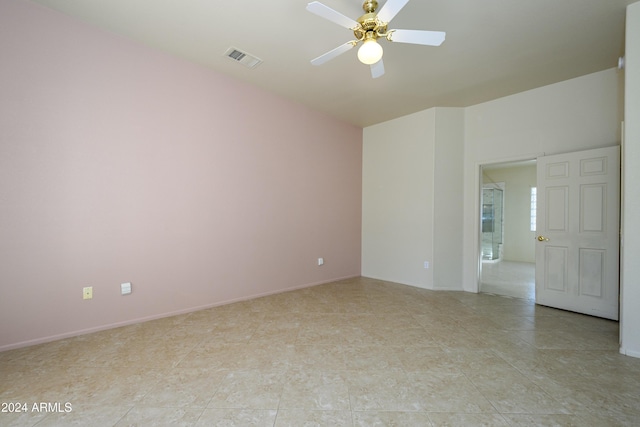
<point>368,29</point>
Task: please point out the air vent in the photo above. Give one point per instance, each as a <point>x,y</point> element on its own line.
<point>243,58</point>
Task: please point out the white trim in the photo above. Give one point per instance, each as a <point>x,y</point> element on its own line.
<point>515,159</point>
<point>630,353</point>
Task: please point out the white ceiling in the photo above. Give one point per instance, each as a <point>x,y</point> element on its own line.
<point>493,47</point>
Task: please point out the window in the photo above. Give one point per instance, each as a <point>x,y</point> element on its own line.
<point>534,198</point>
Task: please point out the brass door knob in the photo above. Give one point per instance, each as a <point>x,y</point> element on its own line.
<point>542,239</point>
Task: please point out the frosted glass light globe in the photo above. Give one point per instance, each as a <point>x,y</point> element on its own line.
<point>370,52</point>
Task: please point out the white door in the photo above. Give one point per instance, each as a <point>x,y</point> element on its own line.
<point>578,202</point>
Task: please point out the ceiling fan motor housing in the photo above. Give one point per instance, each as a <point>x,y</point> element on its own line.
<point>370,6</point>
<point>369,23</point>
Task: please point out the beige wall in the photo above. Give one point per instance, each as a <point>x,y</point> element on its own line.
<point>574,115</point>
<point>409,198</point>
<point>397,199</point>
<point>447,193</point>
<point>630,306</point>
<point>406,193</point>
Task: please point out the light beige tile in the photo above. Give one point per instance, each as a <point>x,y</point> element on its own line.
<point>511,392</point>
<point>159,417</point>
<point>588,397</point>
<point>527,420</point>
<point>372,357</point>
<point>239,331</point>
<point>607,419</point>
<point>85,415</point>
<point>458,419</point>
<point>320,357</point>
<point>445,392</point>
<point>312,418</point>
<point>112,386</point>
<point>237,417</point>
<point>39,384</point>
<point>184,387</point>
<point>355,352</point>
<point>315,390</point>
<point>447,360</point>
<point>236,356</point>
<point>20,419</point>
<point>414,336</point>
<point>252,389</point>
<point>390,418</point>
<point>384,391</point>
<point>281,332</point>
<point>568,340</point>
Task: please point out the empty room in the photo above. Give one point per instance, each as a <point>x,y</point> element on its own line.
<point>273,213</point>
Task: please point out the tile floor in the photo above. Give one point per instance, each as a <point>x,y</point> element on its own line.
<point>358,352</point>
<point>516,279</point>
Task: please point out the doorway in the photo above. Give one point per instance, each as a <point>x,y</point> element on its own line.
<point>507,238</point>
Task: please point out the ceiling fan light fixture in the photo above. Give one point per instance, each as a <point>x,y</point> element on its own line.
<point>370,52</point>
<point>369,28</point>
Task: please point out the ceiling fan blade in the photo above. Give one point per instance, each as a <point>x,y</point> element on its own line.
<point>333,53</point>
<point>429,38</point>
<point>391,9</point>
<point>326,12</point>
<point>377,69</point>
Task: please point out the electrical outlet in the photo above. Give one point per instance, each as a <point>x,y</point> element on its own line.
<point>426,264</point>
<point>320,261</point>
<point>87,292</point>
<point>125,288</point>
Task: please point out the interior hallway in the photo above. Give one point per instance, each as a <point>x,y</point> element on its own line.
<point>358,352</point>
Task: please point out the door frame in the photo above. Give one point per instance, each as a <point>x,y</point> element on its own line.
<point>478,206</point>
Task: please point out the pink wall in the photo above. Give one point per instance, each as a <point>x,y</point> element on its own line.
<point>120,163</point>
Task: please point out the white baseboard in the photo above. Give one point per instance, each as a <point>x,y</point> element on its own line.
<point>630,353</point>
